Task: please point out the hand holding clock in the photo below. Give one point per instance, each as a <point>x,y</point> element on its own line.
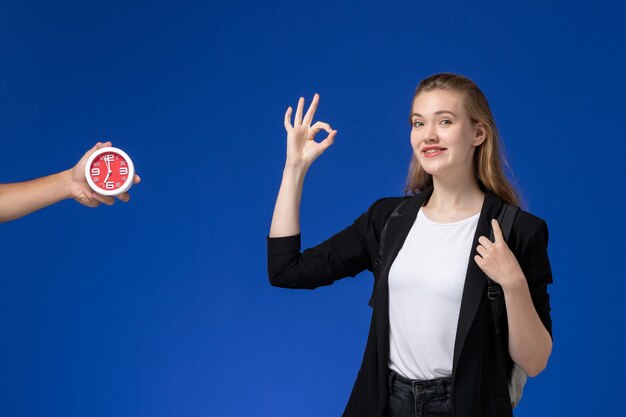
<point>21,198</point>
<point>82,191</point>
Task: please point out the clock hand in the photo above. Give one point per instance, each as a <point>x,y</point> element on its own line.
<point>108,163</point>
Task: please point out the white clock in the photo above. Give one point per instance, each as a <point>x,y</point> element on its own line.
<point>110,171</point>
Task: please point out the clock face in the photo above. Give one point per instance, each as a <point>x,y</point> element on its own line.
<point>109,171</point>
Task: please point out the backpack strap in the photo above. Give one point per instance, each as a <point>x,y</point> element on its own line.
<point>381,244</point>
<point>505,219</point>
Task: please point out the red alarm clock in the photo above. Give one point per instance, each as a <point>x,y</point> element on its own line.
<point>109,171</point>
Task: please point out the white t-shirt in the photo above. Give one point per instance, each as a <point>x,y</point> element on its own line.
<point>426,283</point>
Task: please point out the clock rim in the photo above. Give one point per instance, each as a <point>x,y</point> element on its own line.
<point>131,172</point>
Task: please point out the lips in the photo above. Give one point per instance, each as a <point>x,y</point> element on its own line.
<point>432,151</point>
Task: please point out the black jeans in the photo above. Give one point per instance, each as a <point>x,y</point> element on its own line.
<point>412,398</point>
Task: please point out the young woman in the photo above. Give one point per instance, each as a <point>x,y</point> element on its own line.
<point>432,348</point>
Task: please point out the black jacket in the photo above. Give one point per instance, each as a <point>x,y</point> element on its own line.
<point>481,362</point>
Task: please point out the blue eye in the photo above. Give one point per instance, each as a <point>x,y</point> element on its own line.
<point>417,123</point>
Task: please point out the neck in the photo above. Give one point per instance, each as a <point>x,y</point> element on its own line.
<point>453,194</point>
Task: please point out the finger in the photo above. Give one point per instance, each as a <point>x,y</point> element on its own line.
<point>89,203</point>
<point>124,197</point>
<point>322,125</point>
<point>481,250</point>
<point>308,117</point>
<point>101,145</point>
<point>497,232</point>
<point>85,200</point>
<point>137,179</point>
<point>92,150</point>
<point>329,140</point>
<point>287,123</point>
<point>317,127</point>
<point>97,146</point>
<point>485,241</point>
<point>297,121</point>
<point>108,200</point>
<point>479,261</point>
<point>94,198</point>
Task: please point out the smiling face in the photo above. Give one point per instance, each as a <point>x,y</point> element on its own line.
<point>442,135</point>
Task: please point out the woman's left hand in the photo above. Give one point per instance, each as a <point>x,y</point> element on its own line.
<point>496,259</point>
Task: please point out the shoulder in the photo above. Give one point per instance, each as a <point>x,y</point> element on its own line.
<point>528,227</point>
<point>528,220</point>
<point>527,230</point>
<point>372,221</point>
<point>382,208</point>
<point>386,205</point>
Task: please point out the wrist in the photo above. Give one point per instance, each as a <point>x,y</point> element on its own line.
<point>297,170</point>
<point>516,285</point>
<point>65,179</point>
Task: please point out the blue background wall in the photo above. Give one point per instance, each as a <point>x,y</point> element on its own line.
<point>162,307</point>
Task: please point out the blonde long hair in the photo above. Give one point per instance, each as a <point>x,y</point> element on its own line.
<point>488,158</point>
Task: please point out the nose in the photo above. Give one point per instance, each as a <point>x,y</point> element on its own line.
<point>430,134</point>
<point>430,137</point>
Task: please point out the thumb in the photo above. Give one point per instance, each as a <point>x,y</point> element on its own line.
<point>101,145</point>
<point>97,146</point>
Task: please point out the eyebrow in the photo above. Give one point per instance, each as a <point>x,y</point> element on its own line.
<point>437,112</point>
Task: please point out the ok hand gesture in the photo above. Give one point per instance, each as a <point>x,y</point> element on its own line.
<point>302,149</point>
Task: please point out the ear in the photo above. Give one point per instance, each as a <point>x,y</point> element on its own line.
<point>480,134</point>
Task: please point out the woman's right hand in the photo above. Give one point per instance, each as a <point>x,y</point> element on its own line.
<point>302,149</point>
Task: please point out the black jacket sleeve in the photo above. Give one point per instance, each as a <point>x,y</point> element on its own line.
<point>345,254</point>
<point>533,258</point>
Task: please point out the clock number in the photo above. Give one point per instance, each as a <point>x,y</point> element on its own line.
<point>95,171</point>
<point>108,157</point>
<point>124,171</point>
<point>109,185</point>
